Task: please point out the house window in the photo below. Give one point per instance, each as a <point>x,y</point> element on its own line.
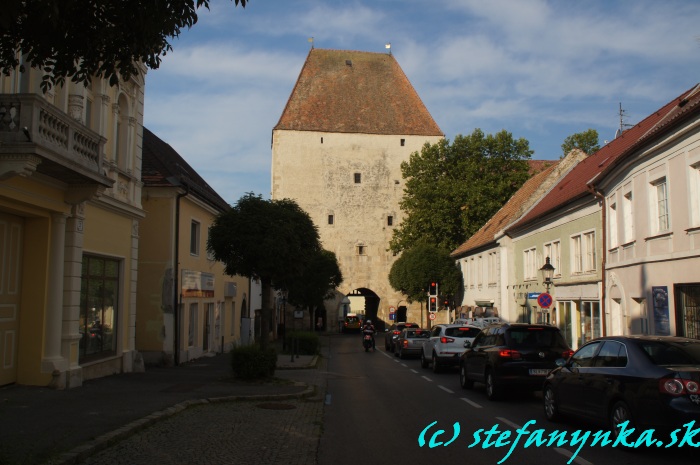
<point>660,205</point>
<point>493,268</point>
<point>695,195</point>
<point>627,218</point>
<point>583,253</point>
<point>479,271</point>
<point>612,222</point>
<point>403,142</point>
<point>358,178</point>
<point>322,140</point>
<point>99,307</point>
<point>390,220</point>
<point>360,250</point>
<point>210,254</point>
<point>330,219</point>
<point>530,264</point>
<point>194,238</point>
<point>553,251</point>
<point>192,329</point>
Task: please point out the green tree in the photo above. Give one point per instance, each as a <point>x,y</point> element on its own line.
<point>453,189</point>
<point>586,141</point>
<point>422,264</point>
<point>317,283</point>
<point>78,39</point>
<point>273,240</point>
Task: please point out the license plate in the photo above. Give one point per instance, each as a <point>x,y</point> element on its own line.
<point>539,371</point>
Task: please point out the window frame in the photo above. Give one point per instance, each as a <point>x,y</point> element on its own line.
<point>195,235</point>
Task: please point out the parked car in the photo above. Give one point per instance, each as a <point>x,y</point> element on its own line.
<point>650,381</point>
<point>516,355</point>
<point>445,345</point>
<point>393,332</point>
<point>410,342</point>
<point>352,323</point>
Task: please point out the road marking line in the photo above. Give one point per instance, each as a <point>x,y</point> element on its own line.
<point>404,365</point>
<point>509,423</point>
<point>472,403</point>
<point>415,371</point>
<point>446,390</point>
<point>568,454</point>
<point>427,379</point>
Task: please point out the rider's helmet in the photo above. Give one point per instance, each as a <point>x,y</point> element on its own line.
<point>368,322</point>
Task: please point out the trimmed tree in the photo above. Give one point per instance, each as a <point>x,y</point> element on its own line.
<point>273,240</point>
<point>422,264</point>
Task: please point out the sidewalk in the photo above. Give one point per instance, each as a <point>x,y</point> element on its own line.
<point>39,424</point>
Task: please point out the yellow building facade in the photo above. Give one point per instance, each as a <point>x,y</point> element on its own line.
<point>188,307</point>
<point>70,207</point>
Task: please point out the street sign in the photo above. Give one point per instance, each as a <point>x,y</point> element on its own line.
<point>544,300</point>
<point>392,316</point>
<point>392,309</point>
<point>432,315</point>
<point>533,295</point>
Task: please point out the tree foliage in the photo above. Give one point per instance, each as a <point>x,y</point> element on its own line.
<point>422,264</point>
<point>78,39</point>
<point>587,141</point>
<point>274,240</point>
<point>321,277</point>
<point>453,189</point>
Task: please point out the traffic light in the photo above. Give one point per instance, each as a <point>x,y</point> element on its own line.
<point>433,289</point>
<point>432,304</point>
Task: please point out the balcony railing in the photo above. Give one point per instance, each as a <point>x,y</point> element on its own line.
<point>29,124</point>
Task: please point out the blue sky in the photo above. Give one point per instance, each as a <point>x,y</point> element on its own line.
<point>542,70</point>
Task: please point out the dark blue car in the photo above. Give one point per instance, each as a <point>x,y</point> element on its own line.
<point>650,381</point>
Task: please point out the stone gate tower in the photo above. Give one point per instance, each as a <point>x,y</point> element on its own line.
<point>351,120</point>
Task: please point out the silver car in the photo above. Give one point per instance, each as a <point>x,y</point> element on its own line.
<point>410,342</point>
<point>446,344</point>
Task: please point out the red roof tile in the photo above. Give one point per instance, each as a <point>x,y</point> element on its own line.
<point>355,92</point>
<point>508,212</point>
<point>574,186</point>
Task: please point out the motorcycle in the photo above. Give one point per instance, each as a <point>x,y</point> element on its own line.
<point>367,342</point>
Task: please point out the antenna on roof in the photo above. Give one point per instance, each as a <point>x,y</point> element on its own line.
<point>388,47</point>
<point>623,125</point>
<point>311,41</point>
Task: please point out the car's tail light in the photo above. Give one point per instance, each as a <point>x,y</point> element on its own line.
<point>445,340</point>
<point>678,386</point>
<point>509,353</point>
<point>567,353</point>
<point>396,332</point>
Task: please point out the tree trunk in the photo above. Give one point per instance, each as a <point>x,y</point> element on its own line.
<point>265,312</point>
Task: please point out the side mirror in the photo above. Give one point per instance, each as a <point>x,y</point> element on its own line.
<point>560,362</point>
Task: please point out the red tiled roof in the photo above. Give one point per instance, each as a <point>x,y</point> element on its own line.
<point>574,186</point>
<point>162,166</point>
<point>355,92</point>
<point>508,212</point>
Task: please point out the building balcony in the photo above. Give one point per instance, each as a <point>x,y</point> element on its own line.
<point>35,136</point>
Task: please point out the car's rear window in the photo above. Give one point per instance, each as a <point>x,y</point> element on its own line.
<point>464,331</point>
<point>536,337</point>
<point>418,334</point>
<point>662,353</point>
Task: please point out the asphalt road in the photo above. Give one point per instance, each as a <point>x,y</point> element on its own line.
<point>378,408</point>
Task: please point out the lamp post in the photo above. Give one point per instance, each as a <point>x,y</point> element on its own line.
<point>547,271</point>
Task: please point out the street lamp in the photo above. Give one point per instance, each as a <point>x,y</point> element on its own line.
<point>547,274</point>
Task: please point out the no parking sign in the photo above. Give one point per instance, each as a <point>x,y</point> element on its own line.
<point>544,300</point>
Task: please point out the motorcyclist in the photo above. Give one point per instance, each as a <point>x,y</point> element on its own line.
<point>368,328</point>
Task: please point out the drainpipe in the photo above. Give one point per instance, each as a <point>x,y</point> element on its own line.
<point>177,296</point>
<point>596,193</point>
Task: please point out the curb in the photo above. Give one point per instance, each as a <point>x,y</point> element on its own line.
<point>82,452</point>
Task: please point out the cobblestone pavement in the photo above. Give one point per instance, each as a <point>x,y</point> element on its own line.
<point>240,432</point>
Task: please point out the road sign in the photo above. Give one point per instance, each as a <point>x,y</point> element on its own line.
<point>544,300</point>
<point>392,316</point>
<point>432,315</point>
<point>533,295</point>
<point>392,309</point>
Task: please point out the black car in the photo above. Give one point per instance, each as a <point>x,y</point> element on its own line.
<point>650,381</point>
<point>393,333</point>
<point>512,355</point>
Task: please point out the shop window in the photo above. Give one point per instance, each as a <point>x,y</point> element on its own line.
<point>99,307</point>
